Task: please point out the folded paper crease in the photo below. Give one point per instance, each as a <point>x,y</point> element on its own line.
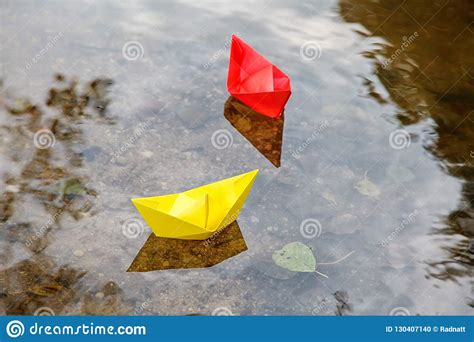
<point>255,81</point>
<point>198,213</point>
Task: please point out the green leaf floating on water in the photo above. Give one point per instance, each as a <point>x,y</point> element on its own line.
<point>296,257</point>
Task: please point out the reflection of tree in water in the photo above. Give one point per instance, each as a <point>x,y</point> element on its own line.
<point>41,187</point>
<point>431,77</point>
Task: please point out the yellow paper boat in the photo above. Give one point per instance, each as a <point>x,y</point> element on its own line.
<point>198,213</point>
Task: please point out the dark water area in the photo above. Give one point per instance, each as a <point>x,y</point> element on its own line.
<point>101,103</point>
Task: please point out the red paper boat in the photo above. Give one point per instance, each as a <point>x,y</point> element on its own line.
<point>255,81</point>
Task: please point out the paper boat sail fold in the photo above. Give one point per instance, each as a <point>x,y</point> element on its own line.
<point>198,213</point>
<point>256,81</point>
